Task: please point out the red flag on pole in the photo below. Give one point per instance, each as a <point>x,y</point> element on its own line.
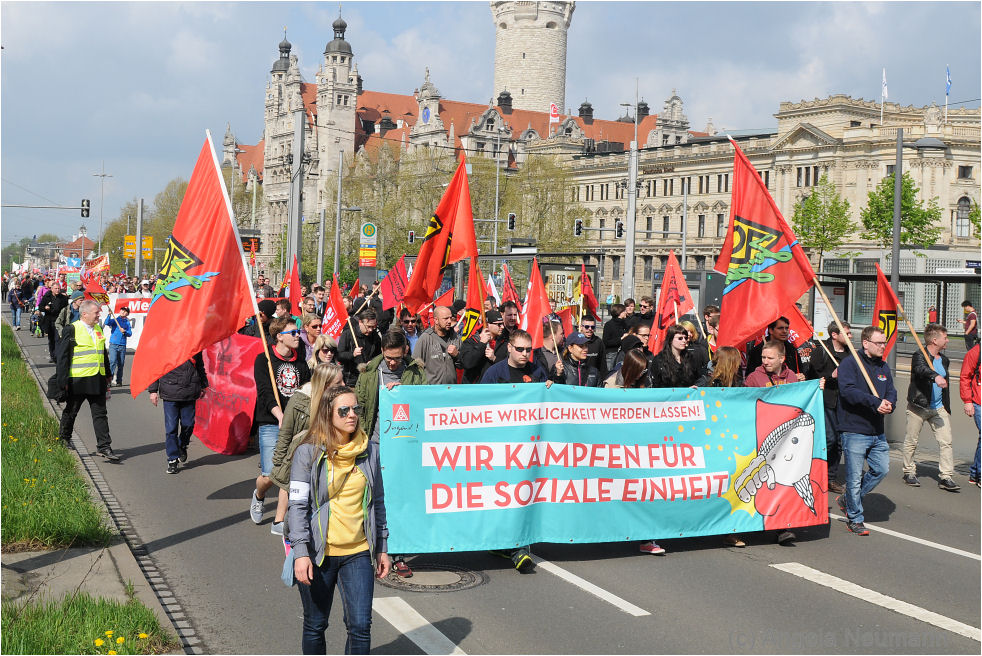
<point>296,300</point>
<point>449,238</point>
<point>426,312</point>
<point>885,310</point>
<point>801,327</point>
<point>355,288</point>
<point>203,292</point>
<point>673,301</point>
<point>474,312</point>
<point>586,289</point>
<point>766,269</point>
<point>393,286</point>
<point>566,318</point>
<point>508,291</point>
<point>536,305</point>
<point>335,314</point>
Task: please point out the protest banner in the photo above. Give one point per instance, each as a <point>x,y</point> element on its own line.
<point>223,416</point>
<point>465,473</point>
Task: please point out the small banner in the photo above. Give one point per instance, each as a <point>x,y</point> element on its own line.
<point>223,416</point>
<point>465,473</point>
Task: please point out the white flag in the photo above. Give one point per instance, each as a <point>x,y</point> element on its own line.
<point>883,94</point>
<point>494,290</point>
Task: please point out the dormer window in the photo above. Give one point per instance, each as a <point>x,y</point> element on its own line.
<point>490,125</point>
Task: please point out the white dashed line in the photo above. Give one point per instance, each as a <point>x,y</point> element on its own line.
<point>911,538</point>
<point>596,591</point>
<point>414,626</point>
<point>890,603</point>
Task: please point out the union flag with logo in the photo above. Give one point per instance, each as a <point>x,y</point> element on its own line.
<point>766,269</point>
<point>885,310</point>
<point>203,292</point>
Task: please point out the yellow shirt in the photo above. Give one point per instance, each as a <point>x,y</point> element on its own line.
<point>346,527</point>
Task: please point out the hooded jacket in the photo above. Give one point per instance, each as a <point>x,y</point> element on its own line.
<point>367,387</point>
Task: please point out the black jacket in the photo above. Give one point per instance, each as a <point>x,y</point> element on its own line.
<point>614,330</point>
<point>821,366</point>
<point>371,345</point>
<point>58,303</point>
<point>581,374</point>
<point>473,360</point>
<point>667,372</point>
<point>596,355</point>
<point>182,383</point>
<point>922,375</point>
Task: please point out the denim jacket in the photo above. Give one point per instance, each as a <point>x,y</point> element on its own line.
<point>308,517</point>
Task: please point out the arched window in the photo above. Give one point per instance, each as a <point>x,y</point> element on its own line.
<point>962,226</point>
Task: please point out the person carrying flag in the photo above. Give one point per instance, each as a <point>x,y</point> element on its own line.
<point>121,329</point>
<point>484,348</point>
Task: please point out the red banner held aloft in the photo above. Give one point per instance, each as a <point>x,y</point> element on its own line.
<point>335,314</point>
<point>586,289</point>
<point>393,286</point>
<point>223,416</point>
<point>766,269</point>
<point>673,301</point>
<point>296,298</point>
<point>508,291</point>
<point>885,310</point>
<point>536,305</point>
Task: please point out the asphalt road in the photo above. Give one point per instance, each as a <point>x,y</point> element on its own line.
<point>918,585</point>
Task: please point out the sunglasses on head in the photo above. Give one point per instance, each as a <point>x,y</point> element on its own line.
<point>345,409</point>
<point>291,333</point>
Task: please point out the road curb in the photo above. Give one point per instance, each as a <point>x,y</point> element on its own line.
<point>132,560</point>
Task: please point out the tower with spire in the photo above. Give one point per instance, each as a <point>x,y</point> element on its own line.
<point>337,98</point>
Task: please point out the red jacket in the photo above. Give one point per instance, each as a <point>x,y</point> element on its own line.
<point>968,385</point>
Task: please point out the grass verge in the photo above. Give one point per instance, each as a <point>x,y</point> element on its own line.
<point>80,624</point>
<point>46,503</point>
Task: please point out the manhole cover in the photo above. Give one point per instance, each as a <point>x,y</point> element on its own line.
<point>435,578</point>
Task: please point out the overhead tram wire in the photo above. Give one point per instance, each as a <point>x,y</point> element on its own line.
<point>33,193</point>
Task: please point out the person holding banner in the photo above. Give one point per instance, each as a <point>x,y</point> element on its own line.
<point>773,371</point>
<point>290,372</point>
<point>578,371</point>
<point>392,367</point>
<point>929,401</point>
<point>633,372</point>
<point>337,523</point>
<point>860,418</point>
<point>778,330</point>
<point>673,366</point>
<point>481,350</point>
<point>824,364</point>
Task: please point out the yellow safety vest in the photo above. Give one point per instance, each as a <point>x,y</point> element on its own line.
<point>89,357</point>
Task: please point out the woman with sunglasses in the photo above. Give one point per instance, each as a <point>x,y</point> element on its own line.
<point>311,324</point>
<point>290,371</point>
<point>337,522</point>
<point>296,419</point>
<point>324,349</point>
<point>673,366</point>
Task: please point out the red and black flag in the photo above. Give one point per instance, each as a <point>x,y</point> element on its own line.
<point>393,286</point>
<point>885,310</point>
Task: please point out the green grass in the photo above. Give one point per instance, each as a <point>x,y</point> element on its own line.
<point>72,626</point>
<point>46,503</point>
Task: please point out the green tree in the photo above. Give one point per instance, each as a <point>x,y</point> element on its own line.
<point>973,219</point>
<point>821,221</point>
<point>919,225</point>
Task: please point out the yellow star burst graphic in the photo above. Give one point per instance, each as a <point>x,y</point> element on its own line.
<point>742,462</point>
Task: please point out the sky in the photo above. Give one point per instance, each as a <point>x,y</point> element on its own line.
<point>134,86</point>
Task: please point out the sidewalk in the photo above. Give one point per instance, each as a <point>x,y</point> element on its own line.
<point>38,576</point>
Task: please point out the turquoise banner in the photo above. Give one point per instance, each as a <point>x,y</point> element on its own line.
<point>470,467</point>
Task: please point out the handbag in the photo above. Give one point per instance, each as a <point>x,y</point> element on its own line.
<point>56,392</point>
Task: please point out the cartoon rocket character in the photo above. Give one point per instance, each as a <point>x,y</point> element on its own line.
<point>784,479</point>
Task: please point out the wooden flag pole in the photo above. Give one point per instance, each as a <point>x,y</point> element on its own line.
<point>676,311</point>
<point>852,349</point>
<point>826,348</point>
<point>269,360</point>
<point>913,332</point>
<point>353,336</point>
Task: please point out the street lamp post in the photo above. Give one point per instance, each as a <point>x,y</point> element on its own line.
<point>627,281</point>
<point>102,198</point>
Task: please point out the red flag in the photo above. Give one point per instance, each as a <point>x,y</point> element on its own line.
<point>566,318</point>
<point>766,270</point>
<point>801,328</point>
<point>474,312</point>
<point>586,289</point>
<point>296,300</point>
<point>335,314</point>
<point>94,291</point>
<point>224,414</point>
<point>885,310</point>
<point>203,292</point>
<point>673,301</point>
<point>393,286</point>
<point>355,289</point>
<point>446,299</point>
<point>426,312</point>
<point>508,291</point>
<point>536,305</point>
<point>449,238</point>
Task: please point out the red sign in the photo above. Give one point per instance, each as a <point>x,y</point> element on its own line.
<point>224,414</point>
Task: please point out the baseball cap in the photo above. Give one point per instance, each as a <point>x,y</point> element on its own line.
<point>492,316</point>
<point>576,338</point>
<point>267,307</point>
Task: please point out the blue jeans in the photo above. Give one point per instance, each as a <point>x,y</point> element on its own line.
<point>268,434</point>
<point>178,412</point>
<point>354,576</point>
<point>16,312</point>
<point>861,449</point>
<point>117,356</point>
<point>973,472</point>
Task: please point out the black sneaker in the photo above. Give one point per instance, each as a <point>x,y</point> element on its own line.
<point>522,560</point>
<point>109,454</point>
<point>68,443</point>
<point>911,480</point>
<point>184,453</point>
<point>172,467</point>
<point>949,485</point>
<point>858,528</point>
<point>786,537</point>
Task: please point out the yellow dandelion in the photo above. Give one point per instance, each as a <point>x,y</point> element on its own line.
<point>120,640</point>
<point>143,636</point>
<point>109,634</point>
<point>111,652</point>
<point>99,642</point>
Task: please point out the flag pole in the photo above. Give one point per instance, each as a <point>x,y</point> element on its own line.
<point>838,322</point>
<point>913,333</point>
<point>822,344</point>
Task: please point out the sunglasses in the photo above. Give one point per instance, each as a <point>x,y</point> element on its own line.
<point>588,327</point>
<point>409,321</point>
<point>523,349</point>
<point>685,337</point>
<point>328,349</point>
<point>345,409</point>
<point>315,326</point>
<point>291,333</point>
<point>497,323</point>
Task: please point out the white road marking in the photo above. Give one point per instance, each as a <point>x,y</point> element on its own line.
<point>414,626</point>
<point>890,603</point>
<point>911,538</point>
<point>596,591</point>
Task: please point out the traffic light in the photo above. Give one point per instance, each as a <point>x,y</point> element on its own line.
<point>412,236</point>
<point>619,229</point>
<point>85,208</point>
<point>578,228</point>
<point>511,220</point>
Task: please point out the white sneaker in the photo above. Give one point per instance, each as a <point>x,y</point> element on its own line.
<point>256,508</point>
<point>276,528</point>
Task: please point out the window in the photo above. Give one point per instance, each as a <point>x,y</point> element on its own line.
<point>603,224</point>
<point>767,179</point>
<point>678,139</point>
<point>664,140</point>
<point>702,225</point>
<point>651,188</point>
<point>890,168</point>
<point>805,176</point>
<point>671,187</point>
<point>648,221</point>
<point>647,267</point>
<point>964,173</point>
<point>720,225</point>
<point>962,225</point>
<point>664,226</point>
<point>615,266</point>
<point>815,176</point>
<point>664,187</point>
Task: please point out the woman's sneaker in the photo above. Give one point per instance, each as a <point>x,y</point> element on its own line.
<point>651,547</point>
